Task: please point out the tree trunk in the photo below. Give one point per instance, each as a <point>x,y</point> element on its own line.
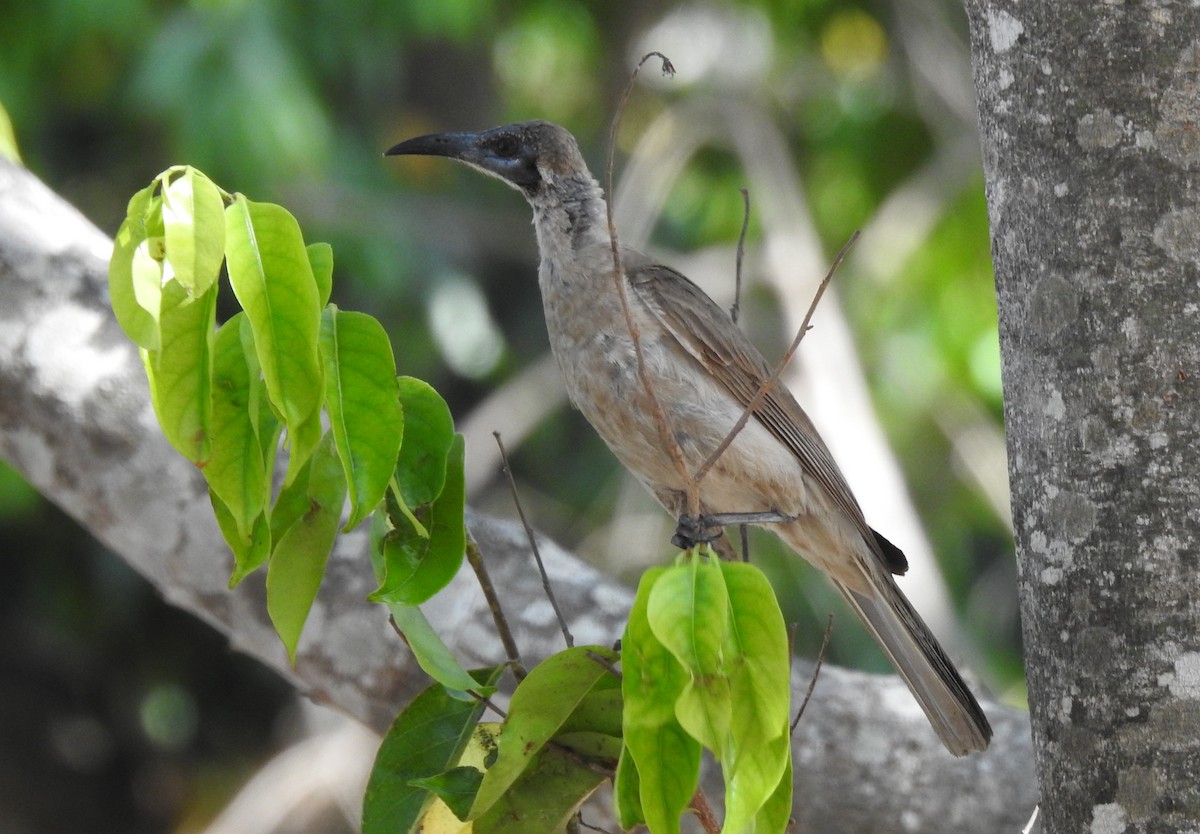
<point>1089,116</point>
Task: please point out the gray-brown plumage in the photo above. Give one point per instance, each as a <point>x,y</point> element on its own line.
<point>704,372</point>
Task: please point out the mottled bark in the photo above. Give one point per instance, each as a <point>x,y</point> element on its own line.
<point>76,420</point>
<point>1089,115</point>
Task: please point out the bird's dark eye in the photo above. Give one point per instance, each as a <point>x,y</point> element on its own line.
<point>506,146</point>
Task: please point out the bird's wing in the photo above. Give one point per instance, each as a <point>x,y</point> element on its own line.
<point>705,332</point>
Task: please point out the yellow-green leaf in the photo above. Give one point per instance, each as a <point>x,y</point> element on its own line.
<point>363,401</point>
<point>298,559</point>
<point>194,224</point>
<point>180,372</point>
<point>273,280</point>
<point>139,325</point>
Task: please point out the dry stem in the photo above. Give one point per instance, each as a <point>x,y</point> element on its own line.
<point>537,555</point>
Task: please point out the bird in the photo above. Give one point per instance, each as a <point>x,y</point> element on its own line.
<point>703,372</point>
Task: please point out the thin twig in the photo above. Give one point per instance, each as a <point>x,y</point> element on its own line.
<point>660,417</point>
<point>589,826</point>
<point>487,702</point>
<point>605,662</point>
<point>493,601</point>
<point>743,530</point>
<point>704,813</point>
<point>770,381</point>
<point>537,556</point>
<point>812,682</point>
<point>741,251</point>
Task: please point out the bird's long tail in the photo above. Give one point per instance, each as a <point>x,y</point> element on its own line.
<point>916,654</point>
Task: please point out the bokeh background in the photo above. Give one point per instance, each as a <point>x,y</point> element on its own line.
<point>118,713</point>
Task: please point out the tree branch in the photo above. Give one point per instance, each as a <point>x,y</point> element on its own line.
<point>75,419</point>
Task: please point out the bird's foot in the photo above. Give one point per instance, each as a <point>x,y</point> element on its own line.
<point>705,529</point>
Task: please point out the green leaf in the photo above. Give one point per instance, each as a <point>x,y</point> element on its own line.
<point>362,398</point>
<point>273,281</point>
<point>262,417</point>
<point>756,656</point>
<point>139,325</point>
<point>544,798</point>
<point>8,139</point>
<point>666,757</point>
<point>180,372</point>
<point>301,440</point>
<point>148,277</point>
<point>599,712</point>
<point>428,435</point>
<point>415,566</point>
<point>236,467</point>
<point>752,778</point>
<point>627,789</point>
<point>431,653</point>
<point>688,611</point>
<point>249,551</point>
<point>542,702</point>
<point>194,224</point>
<point>600,748</point>
<point>456,787</point>
<point>320,258</point>
<point>428,737</point>
<point>776,813</point>
<point>298,558</point>
<point>291,504</point>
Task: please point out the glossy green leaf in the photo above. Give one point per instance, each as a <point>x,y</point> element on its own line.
<point>776,813</point>
<point>544,798</point>
<point>291,504</point>
<point>273,280</point>
<point>298,558</point>
<point>194,224</point>
<point>362,398</point>
<point>428,435</point>
<point>148,277</point>
<point>666,757</point>
<point>753,772</point>
<point>415,566</point>
<point>235,469</point>
<point>320,258</point>
<point>428,737</point>
<point>542,702</point>
<point>456,787</point>
<point>180,372</point>
<point>301,439</point>
<point>756,658</point>
<point>627,787</point>
<point>599,712</point>
<point>600,748</point>
<point>431,653</point>
<point>8,139</point>
<point>688,611</point>
<point>139,325</point>
<point>249,551</point>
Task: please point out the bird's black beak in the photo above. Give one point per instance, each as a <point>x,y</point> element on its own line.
<point>503,153</point>
<point>453,145</point>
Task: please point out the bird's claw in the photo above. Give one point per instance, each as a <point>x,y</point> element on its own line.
<point>705,529</point>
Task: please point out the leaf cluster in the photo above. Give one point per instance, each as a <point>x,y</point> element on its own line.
<point>289,370</point>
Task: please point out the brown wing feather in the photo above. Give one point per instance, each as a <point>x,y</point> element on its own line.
<point>705,331</point>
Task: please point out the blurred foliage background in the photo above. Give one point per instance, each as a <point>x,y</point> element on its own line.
<point>118,713</point>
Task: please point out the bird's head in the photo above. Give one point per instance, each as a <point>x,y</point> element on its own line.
<point>529,156</point>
